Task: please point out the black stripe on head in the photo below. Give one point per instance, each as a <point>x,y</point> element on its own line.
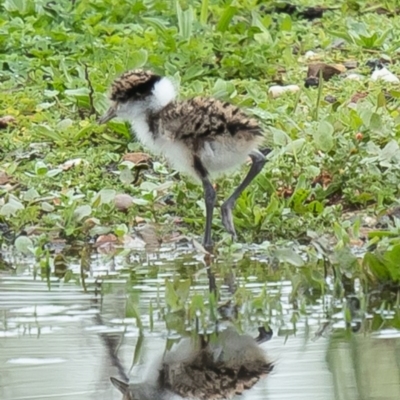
<point>128,89</point>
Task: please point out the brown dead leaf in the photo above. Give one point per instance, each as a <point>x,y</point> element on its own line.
<point>324,179</point>
<point>351,64</point>
<point>89,223</point>
<point>148,233</point>
<point>72,163</point>
<point>137,158</point>
<point>284,192</point>
<point>382,11</point>
<point>393,212</point>
<point>7,120</point>
<point>106,243</point>
<point>356,242</point>
<point>139,220</point>
<point>358,96</point>
<point>105,239</point>
<point>328,71</point>
<point>4,178</point>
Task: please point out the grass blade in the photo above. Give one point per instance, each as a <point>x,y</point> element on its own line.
<point>226,18</point>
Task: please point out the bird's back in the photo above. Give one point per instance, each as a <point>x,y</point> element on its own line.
<point>203,118</point>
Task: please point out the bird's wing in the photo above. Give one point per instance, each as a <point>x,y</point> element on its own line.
<point>207,119</point>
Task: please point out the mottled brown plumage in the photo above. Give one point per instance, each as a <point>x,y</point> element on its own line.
<point>200,136</point>
<point>203,119</point>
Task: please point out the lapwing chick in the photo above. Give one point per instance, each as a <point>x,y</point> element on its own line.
<point>204,370</point>
<point>201,137</point>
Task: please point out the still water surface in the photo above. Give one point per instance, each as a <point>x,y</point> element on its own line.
<point>52,346</point>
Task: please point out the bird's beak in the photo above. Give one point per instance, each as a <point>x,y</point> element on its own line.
<point>110,114</point>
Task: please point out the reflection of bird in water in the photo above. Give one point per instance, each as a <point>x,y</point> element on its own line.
<point>200,136</point>
<point>217,369</point>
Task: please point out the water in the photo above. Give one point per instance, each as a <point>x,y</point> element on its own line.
<point>52,341</point>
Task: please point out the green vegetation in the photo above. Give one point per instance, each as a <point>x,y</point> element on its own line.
<point>334,161</point>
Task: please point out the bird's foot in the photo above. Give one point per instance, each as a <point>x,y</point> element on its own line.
<point>227,219</point>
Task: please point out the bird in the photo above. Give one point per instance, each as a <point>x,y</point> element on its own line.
<point>212,368</point>
<point>202,137</point>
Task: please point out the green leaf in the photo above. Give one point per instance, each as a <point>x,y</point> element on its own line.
<point>286,24</point>
<point>323,136</point>
<point>65,124</point>
<point>273,206</point>
<point>126,176</point>
<point>139,58</point>
<point>24,245</point>
<point>54,172</point>
<point>392,262</point>
<point>196,305</point>
<point>83,91</point>
<point>106,196</point>
<point>21,6</point>
<point>41,168</point>
<point>289,256</point>
<point>47,206</point>
<point>281,138</point>
<point>82,212</point>
<point>204,12</point>
<point>171,297</point>
<point>30,195</point>
<point>11,208</point>
<point>381,101</point>
<point>315,207</point>
<point>157,23</point>
<point>185,21</point>
<point>298,198</point>
<point>47,133</point>
<point>121,230</point>
<point>140,202</point>
<point>226,18</point>
<point>376,266</point>
<point>295,146</point>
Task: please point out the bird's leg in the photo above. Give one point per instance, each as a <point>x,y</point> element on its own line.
<point>209,198</point>
<point>258,161</point>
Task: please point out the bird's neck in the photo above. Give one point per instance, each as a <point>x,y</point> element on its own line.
<point>144,116</point>
<point>162,94</point>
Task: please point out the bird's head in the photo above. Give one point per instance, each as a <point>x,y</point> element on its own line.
<point>136,92</point>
